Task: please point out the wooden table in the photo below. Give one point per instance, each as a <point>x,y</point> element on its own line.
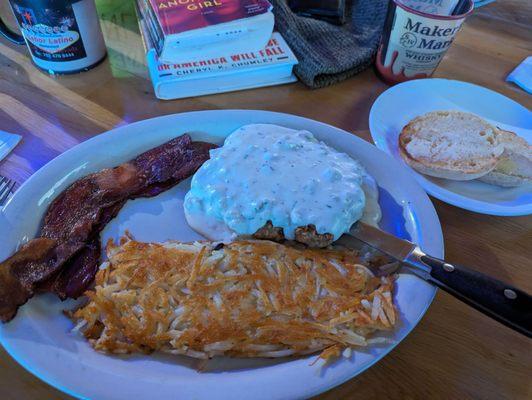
<point>455,352</point>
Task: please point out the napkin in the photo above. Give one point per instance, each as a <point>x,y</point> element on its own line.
<point>329,53</point>
<point>8,141</point>
<point>522,75</point>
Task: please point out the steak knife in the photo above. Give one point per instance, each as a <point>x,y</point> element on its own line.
<point>498,300</point>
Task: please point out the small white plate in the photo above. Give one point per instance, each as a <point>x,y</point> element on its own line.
<point>39,338</point>
<point>394,108</point>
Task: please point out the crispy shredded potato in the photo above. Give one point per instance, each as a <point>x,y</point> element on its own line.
<point>244,299</point>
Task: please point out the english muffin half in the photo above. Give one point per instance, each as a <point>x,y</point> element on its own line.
<point>450,144</point>
<point>515,164</point>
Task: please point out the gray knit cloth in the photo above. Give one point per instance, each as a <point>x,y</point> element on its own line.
<point>329,53</point>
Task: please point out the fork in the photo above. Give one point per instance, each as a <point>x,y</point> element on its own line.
<point>6,188</point>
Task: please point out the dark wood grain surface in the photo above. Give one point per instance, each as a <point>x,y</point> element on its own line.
<point>455,352</point>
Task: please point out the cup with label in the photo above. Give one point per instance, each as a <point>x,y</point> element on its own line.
<point>438,7</point>
<point>63,36</point>
<point>414,41</point>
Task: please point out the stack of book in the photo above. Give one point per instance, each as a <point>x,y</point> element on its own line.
<point>201,47</point>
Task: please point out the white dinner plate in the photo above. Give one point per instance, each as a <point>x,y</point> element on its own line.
<point>394,108</point>
<point>39,338</point>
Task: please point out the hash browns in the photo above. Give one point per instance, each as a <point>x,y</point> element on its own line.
<point>244,299</point>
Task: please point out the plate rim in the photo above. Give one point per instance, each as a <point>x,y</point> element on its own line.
<point>434,224</point>
<point>434,189</point>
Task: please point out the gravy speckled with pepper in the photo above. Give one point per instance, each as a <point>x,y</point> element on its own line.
<point>271,173</point>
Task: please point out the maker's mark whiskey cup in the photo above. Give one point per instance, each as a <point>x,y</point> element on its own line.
<point>414,42</point>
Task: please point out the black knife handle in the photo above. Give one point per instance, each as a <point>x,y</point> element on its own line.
<point>500,301</point>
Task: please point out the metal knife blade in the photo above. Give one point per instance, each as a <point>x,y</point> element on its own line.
<point>499,300</point>
<point>389,244</point>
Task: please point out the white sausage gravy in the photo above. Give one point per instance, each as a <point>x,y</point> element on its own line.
<point>271,173</point>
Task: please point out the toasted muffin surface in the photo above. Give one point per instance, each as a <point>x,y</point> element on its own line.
<point>514,167</point>
<point>450,144</point>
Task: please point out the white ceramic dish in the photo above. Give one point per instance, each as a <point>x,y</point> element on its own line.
<point>396,106</point>
<point>39,337</point>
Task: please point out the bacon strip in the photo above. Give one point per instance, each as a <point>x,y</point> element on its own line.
<point>64,259</point>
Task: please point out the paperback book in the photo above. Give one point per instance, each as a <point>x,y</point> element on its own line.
<point>184,30</point>
<point>272,65</point>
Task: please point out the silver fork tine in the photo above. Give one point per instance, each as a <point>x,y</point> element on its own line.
<point>3,184</point>
<point>5,190</point>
